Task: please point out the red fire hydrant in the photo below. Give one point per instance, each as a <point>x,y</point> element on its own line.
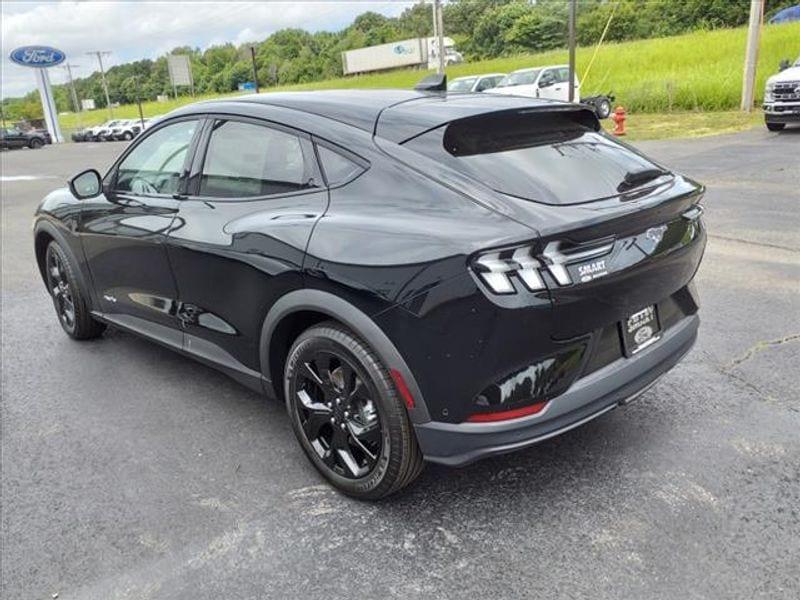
<point>619,121</point>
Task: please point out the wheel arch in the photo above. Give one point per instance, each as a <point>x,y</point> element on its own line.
<point>300,309</point>
<point>44,233</point>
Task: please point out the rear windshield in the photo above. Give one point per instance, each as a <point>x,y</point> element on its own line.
<point>545,157</point>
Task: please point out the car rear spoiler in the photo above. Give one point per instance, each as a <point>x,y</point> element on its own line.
<point>408,120</point>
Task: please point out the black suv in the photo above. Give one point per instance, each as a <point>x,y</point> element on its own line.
<point>12,137</point>
<point>418,276</point>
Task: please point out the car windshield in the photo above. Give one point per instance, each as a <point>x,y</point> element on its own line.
<point>461,85</point>
<point>553,158</point>
<point>519,78</point>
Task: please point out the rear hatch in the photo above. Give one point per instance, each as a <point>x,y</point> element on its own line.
<point>619,233</point>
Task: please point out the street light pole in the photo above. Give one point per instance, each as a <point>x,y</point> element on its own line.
<point>573,7</point>
<point>100,54</point>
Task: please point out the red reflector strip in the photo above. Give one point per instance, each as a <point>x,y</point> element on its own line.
<point>505,415</point>
<point>400,383</point>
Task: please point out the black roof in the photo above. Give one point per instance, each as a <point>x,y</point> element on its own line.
<point>396,114</point>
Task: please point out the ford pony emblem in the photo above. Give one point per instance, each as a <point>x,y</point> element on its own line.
<point>37,56</point>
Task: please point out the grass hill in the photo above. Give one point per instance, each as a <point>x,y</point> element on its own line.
<point>700,71</point>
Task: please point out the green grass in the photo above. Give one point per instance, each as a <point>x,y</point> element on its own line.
<point>697,72</point>
<point>659,126</point>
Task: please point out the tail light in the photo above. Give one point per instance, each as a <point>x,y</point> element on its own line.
<point>497,269</point>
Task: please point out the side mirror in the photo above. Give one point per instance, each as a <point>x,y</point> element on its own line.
<point>86,185</point>
<point>546,82</point>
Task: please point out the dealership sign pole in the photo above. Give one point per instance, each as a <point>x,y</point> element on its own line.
<point>40,58</point>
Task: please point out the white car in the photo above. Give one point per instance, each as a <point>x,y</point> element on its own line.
<point>782,98</point>
<point>475,83</point>
<point>550,82</point>
<point>538,82</point>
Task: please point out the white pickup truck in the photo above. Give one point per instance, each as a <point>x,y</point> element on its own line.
<point>549,81</point>
<point>782,97</point>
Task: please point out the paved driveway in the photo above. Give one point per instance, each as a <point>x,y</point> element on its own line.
<point>131,472</point>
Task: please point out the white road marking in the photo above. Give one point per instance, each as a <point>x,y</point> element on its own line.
<point>6,178</point>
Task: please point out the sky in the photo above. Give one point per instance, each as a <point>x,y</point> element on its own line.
<point>133,30</point>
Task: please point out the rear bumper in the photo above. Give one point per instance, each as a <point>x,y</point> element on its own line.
<point>458,444</point>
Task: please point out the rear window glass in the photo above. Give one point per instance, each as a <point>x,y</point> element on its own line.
<point>338,169</point>
<point>546,157</point>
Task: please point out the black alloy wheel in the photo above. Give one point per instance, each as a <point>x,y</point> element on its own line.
<point>338,415</point>
<point>70,304</point>
<point>35,143</point>
<point>347,414</point>
<point>60,289</point>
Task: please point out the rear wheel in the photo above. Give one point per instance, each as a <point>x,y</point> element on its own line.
<point>35,143</point>
<point>127,136</point>
<point>776,126</point>
<point>68,299</point>
<point>347,414</point>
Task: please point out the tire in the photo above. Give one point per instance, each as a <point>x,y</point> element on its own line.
<point>330,373</point>
<point>69,300</point>
<point>603,109</point>
<point>127,136</point>
<point>35,143</point>
<point>776,126</point>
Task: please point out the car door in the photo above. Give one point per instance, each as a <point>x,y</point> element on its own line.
<point>239,239</point>
<point>550,87</point>
<point>123,230</point>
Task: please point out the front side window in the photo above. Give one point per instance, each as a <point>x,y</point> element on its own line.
<point>155,166</point>
<point>247,160</point>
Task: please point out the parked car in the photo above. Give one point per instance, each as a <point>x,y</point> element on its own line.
<point>475,83</point>
<point>551,82</point>
<point>125,130</point>
<point>80,135</point>
<point>782,98</point>
<point>414,284</point>
<point>13,137</point>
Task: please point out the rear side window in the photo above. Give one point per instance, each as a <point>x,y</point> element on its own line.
<point>155,166</point>
<point>545,157</point>
<point>338,168</point>
<point>248,160</point>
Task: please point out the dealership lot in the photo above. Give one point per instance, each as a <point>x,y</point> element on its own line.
<point>131,472</point>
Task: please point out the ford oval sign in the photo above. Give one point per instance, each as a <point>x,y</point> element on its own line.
<point>37,56</point>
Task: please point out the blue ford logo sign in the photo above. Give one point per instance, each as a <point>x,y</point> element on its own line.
<point>37,56</point>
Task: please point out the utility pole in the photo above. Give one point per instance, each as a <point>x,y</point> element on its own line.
<point>439,32</point>
<point>75,103</point>
<point>255,70</point>
<point>138,100</point>
<point>100,54</point>
<point>751,54</point>
<point>573,7</point>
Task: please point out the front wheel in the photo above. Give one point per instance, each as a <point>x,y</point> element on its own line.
<point>127,136</point>
<point>347,414</point>
<point>35,143</point>
<point>68,297</point>
<point>776,126</point>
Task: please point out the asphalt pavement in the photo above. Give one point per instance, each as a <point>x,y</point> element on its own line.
<point>131,472</point>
